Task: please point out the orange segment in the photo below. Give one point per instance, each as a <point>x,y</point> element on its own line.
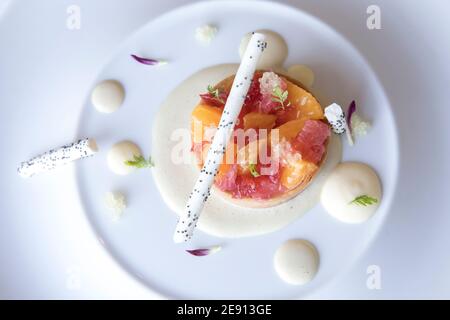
<point>304,105</point>
<point>290,129</point>
<point>297,172</point>
<point>204,116</point>
<point>258,120</point>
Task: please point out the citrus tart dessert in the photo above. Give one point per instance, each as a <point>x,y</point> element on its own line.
<point>278,144</point>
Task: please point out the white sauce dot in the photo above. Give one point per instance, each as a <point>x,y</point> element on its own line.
<point>275,53</point>
<point>348,181</point>
<point>302,74</point>
<point>119,153</point>
<point>108,96</point>
<point>296,262</point>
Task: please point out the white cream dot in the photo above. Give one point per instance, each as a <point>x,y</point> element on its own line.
<point>296,261</point>
<point>119,154</point>
<point>108,96</point>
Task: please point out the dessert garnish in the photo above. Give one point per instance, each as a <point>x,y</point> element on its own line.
<point>350,112</point>
<point>58,157</point>
<point>253,170</point>
<point>241,84</point>
<point>214,96</point>
<point>140,162</point>
<point>148,61</point>
<point>359,126</point>
<point>116,202</point>
<point>336,117</point>
<point>280,96</point>
<point>364,200</point>
<point>206,33</point>
<point>204,252</point>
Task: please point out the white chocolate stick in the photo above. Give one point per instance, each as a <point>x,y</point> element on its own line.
<point>241,84</point>
<point>58,157</point>
<point>336,117</point>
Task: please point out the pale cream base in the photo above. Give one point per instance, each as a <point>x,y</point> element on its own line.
<point>175,181</point>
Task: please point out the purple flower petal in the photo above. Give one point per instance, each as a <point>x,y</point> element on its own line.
<point>204,252</point>
<point>351,110</point>
<point>149,62</point>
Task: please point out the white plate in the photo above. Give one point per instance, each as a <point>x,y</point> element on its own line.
<point>142,240</point>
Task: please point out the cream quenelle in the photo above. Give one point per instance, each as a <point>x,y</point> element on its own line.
<point>119,154</point>
<point>352,192</point>
<point>274,55</point>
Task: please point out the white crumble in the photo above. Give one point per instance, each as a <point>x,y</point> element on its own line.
<point>359,126</point>
<point>268,82</point>
<point>116,202</point>
<point>205,34</point>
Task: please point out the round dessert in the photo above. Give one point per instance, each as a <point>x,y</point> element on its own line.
<point>175,174</point>
<point>278,144</point>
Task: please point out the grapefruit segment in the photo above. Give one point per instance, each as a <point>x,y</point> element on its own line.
<point>310,141</point>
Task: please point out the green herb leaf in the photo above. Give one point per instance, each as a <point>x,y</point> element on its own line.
<point>140,162</point>
<point>215,93</point>
<point>279,96</point>
<point>253,170</point>
<point>364,200</point>
<point>277,92</point>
